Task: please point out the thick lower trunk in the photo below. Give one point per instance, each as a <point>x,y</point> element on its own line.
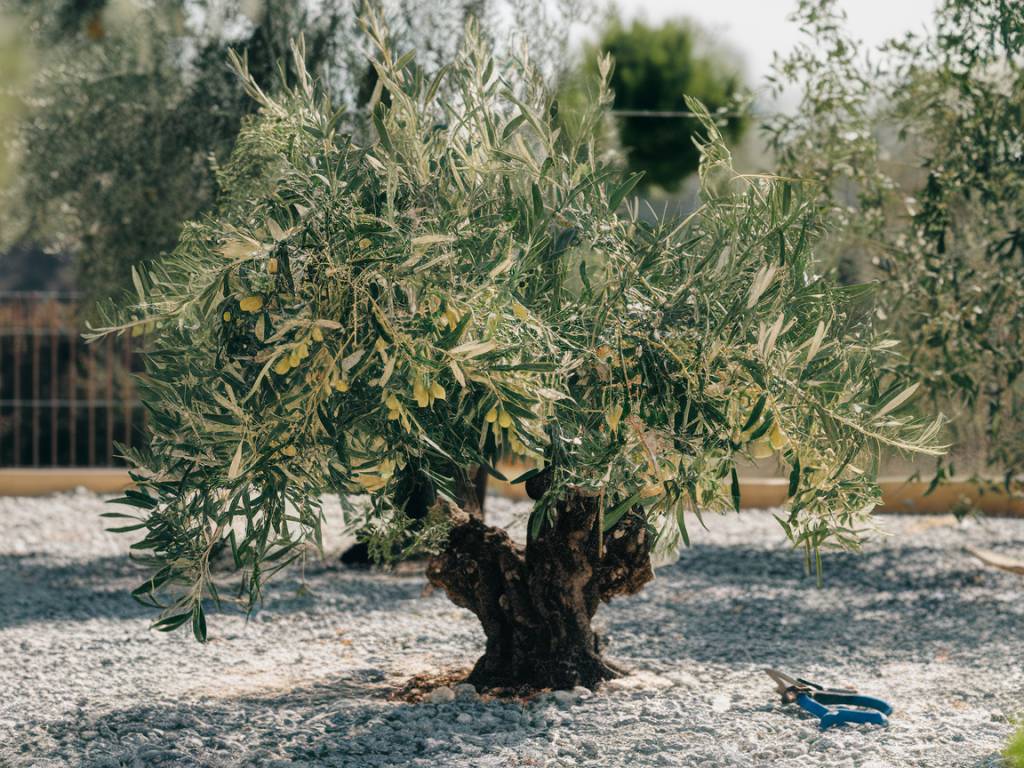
<point>536,603</point>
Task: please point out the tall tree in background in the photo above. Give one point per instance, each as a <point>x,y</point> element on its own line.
<point>919,152</point>
<point>134,107</point>
<point>16,66</point>
<point>655,67</point>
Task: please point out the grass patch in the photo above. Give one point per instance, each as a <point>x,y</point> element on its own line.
<point>1014,752</point>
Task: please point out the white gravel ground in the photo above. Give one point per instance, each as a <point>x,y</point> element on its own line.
<point>306,680</point>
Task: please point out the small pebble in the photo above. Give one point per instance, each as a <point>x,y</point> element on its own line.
<point>565,698</point>
<point>466,692</point>
<point>441,695</point>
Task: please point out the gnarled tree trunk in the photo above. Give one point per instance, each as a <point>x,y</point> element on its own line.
<point>536,603</point>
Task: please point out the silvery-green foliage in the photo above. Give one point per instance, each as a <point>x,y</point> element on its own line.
<point>919,149</point>
<point>361,316</point>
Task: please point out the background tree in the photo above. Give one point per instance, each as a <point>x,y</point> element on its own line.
<point>373,317</point>
<point>16,64</point>
<point>134,107</point>
<point>654,68</point>
<point>918,153</point>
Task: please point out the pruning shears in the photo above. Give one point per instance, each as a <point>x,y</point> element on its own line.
<point>850,706</point>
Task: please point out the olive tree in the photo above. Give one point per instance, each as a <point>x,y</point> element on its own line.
<point>378,317</point>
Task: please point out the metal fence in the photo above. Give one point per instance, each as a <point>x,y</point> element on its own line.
<point>62,402</point>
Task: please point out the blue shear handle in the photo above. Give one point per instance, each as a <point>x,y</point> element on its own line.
<point>831,717</point>
<point>854,700</point>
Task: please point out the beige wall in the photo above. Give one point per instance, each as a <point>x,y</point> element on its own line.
<point>757,493</point>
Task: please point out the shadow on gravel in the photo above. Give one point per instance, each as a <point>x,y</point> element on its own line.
<point>37,589</point>
<point>908,568</point>
<point>343,590</point>
<point>729,604</point>
<point>346,720</point>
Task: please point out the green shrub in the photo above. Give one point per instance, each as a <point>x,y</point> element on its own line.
<point>655,69</point>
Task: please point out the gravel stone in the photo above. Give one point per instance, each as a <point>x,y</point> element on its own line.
<point>441,695</point>
<point>466,692</point>
<point>565,698</point>
<point>306,682</point>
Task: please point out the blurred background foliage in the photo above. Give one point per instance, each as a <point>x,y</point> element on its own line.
<point>655,66</point>
<point>16,64</point>
<point>918,149</point>
<point>133,107</point>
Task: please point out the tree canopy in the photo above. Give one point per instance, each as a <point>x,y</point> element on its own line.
<point>360,315</point>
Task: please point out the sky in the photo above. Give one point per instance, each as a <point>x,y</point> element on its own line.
<point>759,27</point>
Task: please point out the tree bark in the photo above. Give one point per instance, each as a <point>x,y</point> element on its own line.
<point>536,603</point>
<point>470,491</point>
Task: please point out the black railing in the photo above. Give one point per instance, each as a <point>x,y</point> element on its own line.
<point>62,402</point>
